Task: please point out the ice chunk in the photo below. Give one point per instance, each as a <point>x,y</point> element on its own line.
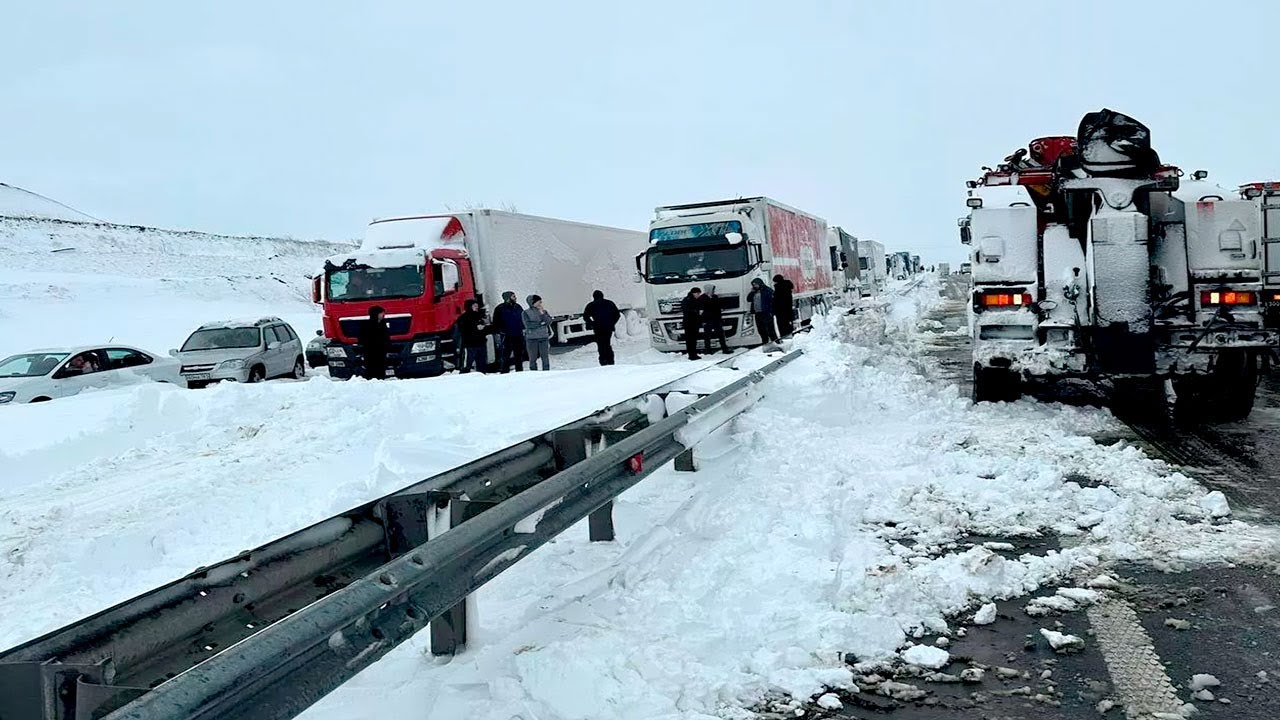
<point>830,702</point>
<point>926,657</point>
<point>1215,504</point>
<point>985,615</point>
<point>1200,681</point>
<point>1061,642</point>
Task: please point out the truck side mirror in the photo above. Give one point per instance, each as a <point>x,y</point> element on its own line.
<point>966,238</point>
<point>315,289</point>
<point>640,265</point>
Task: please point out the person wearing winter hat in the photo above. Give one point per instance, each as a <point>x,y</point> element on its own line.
<point>508,326</point>
<point>537,333</point>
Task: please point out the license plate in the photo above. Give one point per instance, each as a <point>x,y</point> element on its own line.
<point>198,376</point>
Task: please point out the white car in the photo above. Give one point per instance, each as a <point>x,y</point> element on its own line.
<point>47,374</point>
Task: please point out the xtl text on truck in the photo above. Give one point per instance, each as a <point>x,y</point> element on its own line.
<point>423,269</point>
<point>727,244</point>
<point>1093,260</point>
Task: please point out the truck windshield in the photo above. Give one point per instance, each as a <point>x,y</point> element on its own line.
<point>223,338</point>
<point>685,264</point>
<point>372,283</point>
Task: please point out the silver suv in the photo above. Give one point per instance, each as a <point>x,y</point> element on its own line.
<point>241,351</point>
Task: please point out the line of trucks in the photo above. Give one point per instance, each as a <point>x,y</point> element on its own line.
<point>423,269</point>
<point>1092,260</point>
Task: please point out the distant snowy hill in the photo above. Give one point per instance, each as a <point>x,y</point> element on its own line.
<point>16,202</point>
<point>66,281</point>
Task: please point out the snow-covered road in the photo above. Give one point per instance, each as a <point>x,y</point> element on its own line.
<point>822,523</point>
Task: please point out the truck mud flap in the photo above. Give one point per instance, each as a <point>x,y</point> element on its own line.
<point>1121,351</point>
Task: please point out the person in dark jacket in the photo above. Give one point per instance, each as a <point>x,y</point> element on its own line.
<point>691,312</point>
<point>713,320</point>
<point>375,343</point>
<point>784,310</point>
<point>473,332</point>
<point>760,300</point>
<point>508,325</point>
<point>602,317</point>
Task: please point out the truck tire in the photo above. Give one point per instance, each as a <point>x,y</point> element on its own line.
<point>1234,384</point>
<point>1139,398</point>
<point>995,384</point>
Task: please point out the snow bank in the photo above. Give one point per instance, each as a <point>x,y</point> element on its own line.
<point>76,283</point>
<point>16,202</point>
<point>831,530</point>
<point>107,495</point>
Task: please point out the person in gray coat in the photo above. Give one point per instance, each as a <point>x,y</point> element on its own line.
<point>537,333</point>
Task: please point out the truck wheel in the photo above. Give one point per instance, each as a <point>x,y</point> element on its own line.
<point>995,384</point>
<point>1139,398</point>
<point>1234,383</point>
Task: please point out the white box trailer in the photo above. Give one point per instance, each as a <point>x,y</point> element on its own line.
<point>560,260</point>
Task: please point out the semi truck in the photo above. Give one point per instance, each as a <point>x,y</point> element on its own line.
<point>1093,260</point>
<point>872,265</point>
<point>1267,197</point>
<point>844,266</point>
<point>726,244</point>
<point>422,270</point>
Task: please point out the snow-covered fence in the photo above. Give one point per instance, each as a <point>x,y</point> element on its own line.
<point>266,634</point>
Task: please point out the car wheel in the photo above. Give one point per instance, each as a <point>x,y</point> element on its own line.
<point>41,399</point>
<point>299,369</point>
<point>257,374</point>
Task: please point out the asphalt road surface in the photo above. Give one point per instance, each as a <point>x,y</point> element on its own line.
<point>1163,627</point>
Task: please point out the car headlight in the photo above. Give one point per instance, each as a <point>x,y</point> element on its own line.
<point>422,346</point>
<point>6,397</point>
<point>335,352</point>
<point>231,365</point>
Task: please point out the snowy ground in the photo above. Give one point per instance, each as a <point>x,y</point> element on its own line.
<point>70,283</point>
<point>818,526</point>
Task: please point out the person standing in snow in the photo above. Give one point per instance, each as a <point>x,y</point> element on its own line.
<point>761,301</point>
<point>691,314</point>
<point>713,320</point>
<point>602,317</point>
<point>473,331</point>
<point>784,310</point>
<point>508,323</point>
<point>374,343</point>
<point>537,333</point>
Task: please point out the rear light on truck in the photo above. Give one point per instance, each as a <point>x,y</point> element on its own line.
<point>994,300</point>
<point>1213,298</point>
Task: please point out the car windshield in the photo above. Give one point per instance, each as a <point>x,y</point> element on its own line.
<point>370,283</point>
<point>223,339</point>
<point>30,364</point>
<point>696,263</point>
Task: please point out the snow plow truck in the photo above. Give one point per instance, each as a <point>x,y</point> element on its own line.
<point>1093,260</point>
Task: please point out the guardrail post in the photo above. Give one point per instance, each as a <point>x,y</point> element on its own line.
<point>574,446</point>
<point>416,518</point>
<point>685,463</point>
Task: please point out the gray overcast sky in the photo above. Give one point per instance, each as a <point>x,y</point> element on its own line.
<point>309,118</point>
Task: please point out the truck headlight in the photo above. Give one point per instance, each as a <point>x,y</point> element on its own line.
<point>231,365</point>
<point>335,352</point>
<point>666,307</point>
<point>422,346</point>
<point>7,397</point>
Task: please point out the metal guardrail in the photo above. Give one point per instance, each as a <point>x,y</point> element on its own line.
<point>266,634</point>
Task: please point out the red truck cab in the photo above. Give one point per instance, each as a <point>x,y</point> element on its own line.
<point>422,282</point>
